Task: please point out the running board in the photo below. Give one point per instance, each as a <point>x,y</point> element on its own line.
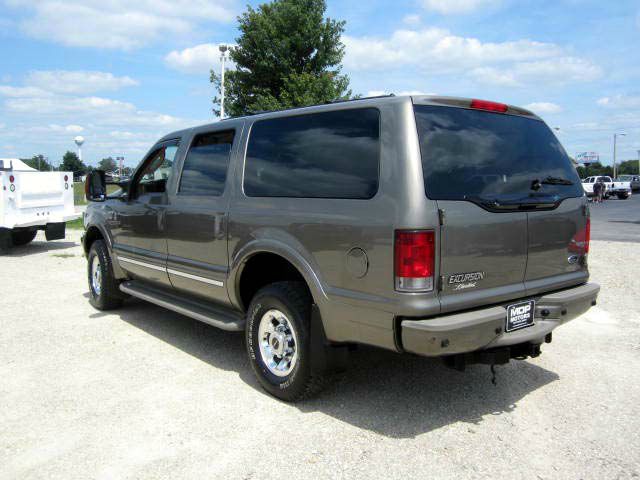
<point>216,316</point>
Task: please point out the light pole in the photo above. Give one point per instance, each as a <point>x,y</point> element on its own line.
<point>615,137</point>
<point>638,162</point>
<point>223,56</point>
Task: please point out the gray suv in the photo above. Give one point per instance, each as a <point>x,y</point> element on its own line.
<point>443,227</point>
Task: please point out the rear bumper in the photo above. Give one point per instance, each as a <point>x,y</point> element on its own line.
<point>484,328</point>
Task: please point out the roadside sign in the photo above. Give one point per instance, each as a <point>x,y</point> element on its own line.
<point>587,157</point>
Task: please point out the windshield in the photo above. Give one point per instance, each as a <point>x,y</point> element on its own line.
<point>478,155</point>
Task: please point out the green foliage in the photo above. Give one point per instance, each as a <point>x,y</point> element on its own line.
<point>71,163</point>
<point>107,164</point>
<point>626,167</point>
<point>39,162</point>
<point>288,55</point>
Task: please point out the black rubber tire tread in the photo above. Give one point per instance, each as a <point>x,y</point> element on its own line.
<point>110,296</point>
<point>22,237</point>
<point>295,299</point>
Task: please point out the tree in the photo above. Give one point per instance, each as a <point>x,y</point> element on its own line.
<point>107,164</point>
<point>39,162</point>
<point>628,167</point>
<point>288,55</point>
<point>71,163</point>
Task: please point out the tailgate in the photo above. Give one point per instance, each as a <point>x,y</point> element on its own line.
<point>40,189</point>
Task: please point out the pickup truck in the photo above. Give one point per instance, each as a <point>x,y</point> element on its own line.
<point>32,201</point>
<point>634,180</point>
<point>617,187</point>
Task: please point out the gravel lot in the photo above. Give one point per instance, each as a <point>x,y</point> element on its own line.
<point>146,393</point>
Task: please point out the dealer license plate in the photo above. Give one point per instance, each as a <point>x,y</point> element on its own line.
<point>520,315</point>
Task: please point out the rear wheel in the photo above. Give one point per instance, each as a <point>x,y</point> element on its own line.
<point>104,293</point>
<point>623,196</point>
<point>22,237</point>
<point>278,338</point>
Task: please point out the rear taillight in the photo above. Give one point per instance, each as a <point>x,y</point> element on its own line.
<point>414,260</point>
<point>66,178</point>
<point>489,106</point>
<point>12,179</point>
<point>580,242</point>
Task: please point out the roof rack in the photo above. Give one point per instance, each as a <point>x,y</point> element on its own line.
<point>330,102</point>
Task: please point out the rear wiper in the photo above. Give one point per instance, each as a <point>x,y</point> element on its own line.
<point>556,181</point>
<point>525,203</point>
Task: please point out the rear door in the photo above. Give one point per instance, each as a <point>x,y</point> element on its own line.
<point>197,219</point>
<point>488,173</point>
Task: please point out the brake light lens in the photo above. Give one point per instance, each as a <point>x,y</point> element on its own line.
<point>580,242</point>
<point>414,260</point>
<point>66,178</point>
<point>12,179</point>
<point>489,106</point>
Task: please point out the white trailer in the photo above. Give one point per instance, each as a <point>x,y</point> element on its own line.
<point>30,201</point>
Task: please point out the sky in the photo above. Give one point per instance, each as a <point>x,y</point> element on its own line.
<point>122,74</point>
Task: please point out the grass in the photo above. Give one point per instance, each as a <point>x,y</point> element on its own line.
<point>78,192</point>
<point>63,255</point>
<point>75,224</point>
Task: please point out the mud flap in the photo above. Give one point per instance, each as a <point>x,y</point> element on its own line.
<point>5,240</point>
<point>325,358</point>
<point>55,231</point>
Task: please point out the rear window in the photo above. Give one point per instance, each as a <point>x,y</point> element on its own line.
<point>477,155</point>
<point>320,155</point>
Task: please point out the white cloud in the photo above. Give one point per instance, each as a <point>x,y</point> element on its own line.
<point>78,81</point>
<point>436,48</point>
<point>118,24</point>
<point>449,7</point>
<point>20,92</point>
<point>543,107</point>
<point>47,121</point>
<point>620,101</point>
<point>198,59</point>
<point>412,20</point>
<point>437,51</point>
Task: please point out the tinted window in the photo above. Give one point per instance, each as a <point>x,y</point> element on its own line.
<point>156,171</point>
<point>205,168</point>
<point>321,155</point>
<point>471,154</point>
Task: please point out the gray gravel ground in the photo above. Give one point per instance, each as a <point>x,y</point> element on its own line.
<point>145,393</point>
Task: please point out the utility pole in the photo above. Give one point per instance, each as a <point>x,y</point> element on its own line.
<point>223,56</point>
<point>638,162</point>
<point>615,137</point>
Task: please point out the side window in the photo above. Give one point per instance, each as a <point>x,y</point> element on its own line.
<point>205,167</point>
<point>320,155</point>
<point>156,172</point>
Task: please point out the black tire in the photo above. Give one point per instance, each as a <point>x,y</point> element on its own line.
<point>623,196</point>
<point>22,237</point>
<point>108,296</point>
<point>294,301</point>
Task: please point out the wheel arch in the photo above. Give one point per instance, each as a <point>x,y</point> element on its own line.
<point>273,261</point>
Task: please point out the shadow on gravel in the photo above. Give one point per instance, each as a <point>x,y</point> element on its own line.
<point>38,247</point>
<point>400,396</point>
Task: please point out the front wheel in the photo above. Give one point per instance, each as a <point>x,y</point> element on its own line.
<point>22,237</point>
<point>623,196</point>
<point>104,293</point>
<point>279,342</point>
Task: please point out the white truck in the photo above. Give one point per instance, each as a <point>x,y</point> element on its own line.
<point>30,201</point>
<point>619,188</point>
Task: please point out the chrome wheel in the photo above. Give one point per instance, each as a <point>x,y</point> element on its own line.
<point>96,275</point>
<point>278,343</point>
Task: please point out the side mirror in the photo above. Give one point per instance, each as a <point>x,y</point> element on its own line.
<point>95,186</point>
